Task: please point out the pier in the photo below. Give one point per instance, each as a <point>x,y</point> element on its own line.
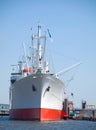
<point>4,109</point>
<point>85,114</point>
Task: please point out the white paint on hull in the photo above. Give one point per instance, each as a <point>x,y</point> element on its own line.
<point>37,91</point>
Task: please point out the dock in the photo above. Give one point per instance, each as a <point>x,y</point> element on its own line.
<point>85,114</point>
<point>4,109</point>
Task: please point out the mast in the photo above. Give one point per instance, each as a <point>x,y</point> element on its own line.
<point>38,50</point>
<point>25,56</point>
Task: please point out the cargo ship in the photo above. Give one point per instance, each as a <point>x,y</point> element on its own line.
<point>35,92</point>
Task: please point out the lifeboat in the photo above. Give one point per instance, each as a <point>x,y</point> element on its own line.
<point>26,70</point>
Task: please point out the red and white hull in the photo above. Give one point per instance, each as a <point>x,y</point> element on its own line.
<point>37,96</point>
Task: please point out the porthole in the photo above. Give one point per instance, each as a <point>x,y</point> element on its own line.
<point>33,88</point>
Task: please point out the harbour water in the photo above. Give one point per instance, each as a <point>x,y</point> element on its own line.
<point>7,124</point>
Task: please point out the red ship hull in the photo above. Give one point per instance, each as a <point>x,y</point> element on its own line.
<point>41,114</point>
